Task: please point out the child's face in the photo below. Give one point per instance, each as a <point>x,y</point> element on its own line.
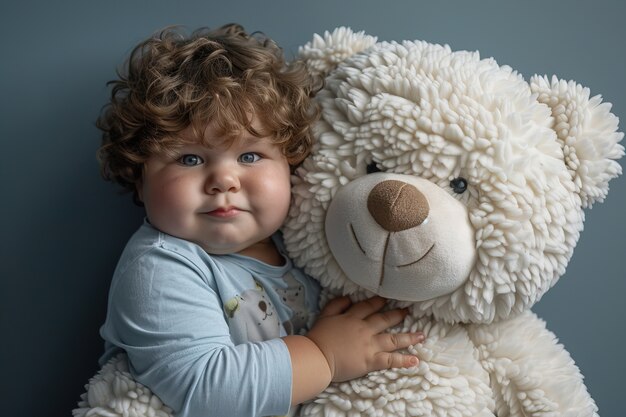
<point>225,198</point>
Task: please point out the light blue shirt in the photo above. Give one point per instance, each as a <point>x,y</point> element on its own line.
<point>203,331</point>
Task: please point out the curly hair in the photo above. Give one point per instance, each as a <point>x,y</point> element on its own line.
<point>223,76</point>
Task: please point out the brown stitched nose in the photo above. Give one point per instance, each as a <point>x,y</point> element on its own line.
<point>397,206</point>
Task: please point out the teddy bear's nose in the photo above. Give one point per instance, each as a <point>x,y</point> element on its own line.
<point>397,206</point>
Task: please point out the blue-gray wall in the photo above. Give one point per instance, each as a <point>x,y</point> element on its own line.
<point>63,227</point>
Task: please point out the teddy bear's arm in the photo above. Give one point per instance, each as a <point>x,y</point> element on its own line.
<point>531,374</point>
<point>449,381</point>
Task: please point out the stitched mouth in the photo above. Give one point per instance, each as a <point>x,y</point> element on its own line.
<point>420,258</point>
<point>356,240</point>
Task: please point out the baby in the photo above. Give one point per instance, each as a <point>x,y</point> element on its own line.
<point>205,131</point>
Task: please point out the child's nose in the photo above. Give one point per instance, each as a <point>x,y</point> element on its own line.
<point>222,180</point>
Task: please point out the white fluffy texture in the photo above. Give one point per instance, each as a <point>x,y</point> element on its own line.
<point>531,373</point>
<point>588,132</point>
<point>113,392</point>
<point>469,370</point>
<point>449,381</point>
<point>533,157</point>
<point>323,54</point>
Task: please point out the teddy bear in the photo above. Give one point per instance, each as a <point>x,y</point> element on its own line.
<point>451,186</point>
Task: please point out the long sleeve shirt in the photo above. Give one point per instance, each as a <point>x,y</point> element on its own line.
<point>203,331</point>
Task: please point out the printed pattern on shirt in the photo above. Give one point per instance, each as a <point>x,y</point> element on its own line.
<point>251,315</point>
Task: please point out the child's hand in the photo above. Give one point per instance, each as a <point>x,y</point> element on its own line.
<point>350,337</point>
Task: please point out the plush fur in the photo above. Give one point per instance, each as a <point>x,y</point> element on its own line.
<point>113,392</point>
<point>504,168</point>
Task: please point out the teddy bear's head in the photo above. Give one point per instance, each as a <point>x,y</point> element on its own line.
<point>443,180</point>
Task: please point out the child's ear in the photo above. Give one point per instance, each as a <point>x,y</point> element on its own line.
<point>139,189</point>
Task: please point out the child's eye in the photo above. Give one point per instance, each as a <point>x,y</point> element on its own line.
<point>190,160</point>
<point>249,157</point>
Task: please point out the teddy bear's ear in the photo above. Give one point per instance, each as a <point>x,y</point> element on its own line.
<point>587,131</point>
<point>323,54</point>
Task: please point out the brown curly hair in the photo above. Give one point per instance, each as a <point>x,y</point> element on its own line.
<point>224,76</point>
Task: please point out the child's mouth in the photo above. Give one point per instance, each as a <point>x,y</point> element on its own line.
<point>224,212</point>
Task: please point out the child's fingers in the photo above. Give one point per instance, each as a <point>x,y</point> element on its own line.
<point>386,360</point>
<point>386,319</point>
<point>335,306</point>
<point>367,307</point>
<point>389,342</point>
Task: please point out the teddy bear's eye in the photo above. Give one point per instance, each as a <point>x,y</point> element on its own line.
<point>372,167</point>
<point>459,185</point>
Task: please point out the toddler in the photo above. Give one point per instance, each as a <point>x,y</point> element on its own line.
<point>205,130</point>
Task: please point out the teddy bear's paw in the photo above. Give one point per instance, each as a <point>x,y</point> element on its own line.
<point>447,382</point>
<point>113,392</point>
<point>398,399</point>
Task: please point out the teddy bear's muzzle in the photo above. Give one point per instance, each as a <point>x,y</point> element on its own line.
<point>400,236</point>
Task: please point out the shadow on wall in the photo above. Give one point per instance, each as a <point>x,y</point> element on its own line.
<point>68,248</point>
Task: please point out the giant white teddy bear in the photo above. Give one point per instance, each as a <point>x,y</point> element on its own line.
<point>451,185</point>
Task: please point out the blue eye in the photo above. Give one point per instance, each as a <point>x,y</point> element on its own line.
<point>190,160</point>
<point>249,157</point>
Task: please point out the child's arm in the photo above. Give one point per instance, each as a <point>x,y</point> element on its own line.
<point>346,342</point>
<point>166,313</point>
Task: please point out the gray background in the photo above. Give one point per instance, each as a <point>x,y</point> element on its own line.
<point>63,227</point>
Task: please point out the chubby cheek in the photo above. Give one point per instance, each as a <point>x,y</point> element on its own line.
<point>273,192</point>
<point>168,204</point>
